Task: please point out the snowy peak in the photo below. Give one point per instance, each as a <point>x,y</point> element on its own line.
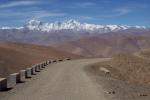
<point>72,21</point>
<point>33,25</point>
<point>73,25</point>
<point>76,26</point>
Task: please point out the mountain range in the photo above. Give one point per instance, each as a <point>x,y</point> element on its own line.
<point>80,38</point>
<point>73,25</point>
<point>76,26</point>
<point>59,31</point>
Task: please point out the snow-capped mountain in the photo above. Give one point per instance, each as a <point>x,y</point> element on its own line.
<point>76,26</point>
<point>47,33</point>
<point>72,26</point>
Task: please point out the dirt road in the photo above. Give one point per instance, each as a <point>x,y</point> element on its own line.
<point>62,81</point>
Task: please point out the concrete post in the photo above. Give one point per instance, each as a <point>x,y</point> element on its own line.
<point>42,65</point>
<point>11,80</point>
<point>45,64</point>
<point>37,69</point>
<point>54,61</point>
<point>22,75</point>
<point>17,77</point>
<point>60,60</point>
<point>3,84</point>
<point>28,73</point>
<point>33,70</point>
<point>49,62</point>
<point>68,58</point>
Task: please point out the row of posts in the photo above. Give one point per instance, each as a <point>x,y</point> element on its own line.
<point>20,77</point>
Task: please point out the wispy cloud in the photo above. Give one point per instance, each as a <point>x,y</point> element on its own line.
<point>30,14</point>
<point>86,17</point>
<point>138,5</point>
<point>127,9</point>
<point>123,11</point>
<point>85,4</point>
<point>43,14</point>
<point>18,3</point>
<point>131,8</point>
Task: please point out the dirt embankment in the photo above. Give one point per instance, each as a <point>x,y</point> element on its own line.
<point>124,77</point>
<point>126,67</point>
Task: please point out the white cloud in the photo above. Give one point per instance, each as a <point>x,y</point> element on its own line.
<point>18,3</point>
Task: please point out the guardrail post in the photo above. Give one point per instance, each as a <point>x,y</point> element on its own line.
<point>54,61</point>
<point>11,80</point>
<point>33,70</point>
<point>49,62</point>
<point>37,69</point>
<point>42,65</point>
<point>3,84</point>
<point>22,75</point>
<point>28,73</point>
<point>17,77</point>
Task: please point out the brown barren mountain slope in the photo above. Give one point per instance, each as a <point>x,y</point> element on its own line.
<point>100,47</point>
<point>15,56</point>
<point>107,45</point>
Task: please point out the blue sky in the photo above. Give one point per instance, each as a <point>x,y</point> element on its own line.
<point>120,12</point>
